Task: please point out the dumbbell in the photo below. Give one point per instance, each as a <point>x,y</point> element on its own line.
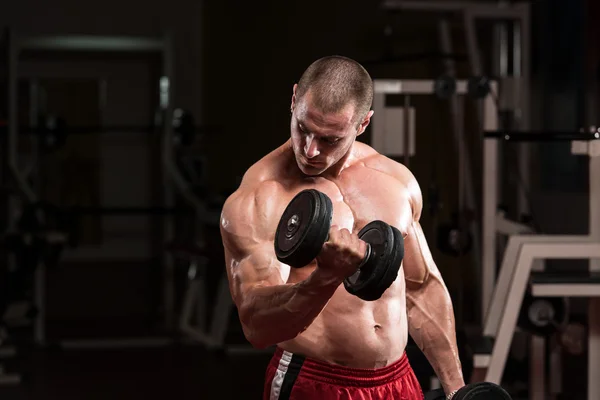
<point>304,228</point>
<point>474,391</point>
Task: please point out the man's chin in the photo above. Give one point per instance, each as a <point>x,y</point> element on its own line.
<point>311,170</point>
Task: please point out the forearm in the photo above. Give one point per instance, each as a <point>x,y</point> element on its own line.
<point>274,314</point>
<point>431,325</point>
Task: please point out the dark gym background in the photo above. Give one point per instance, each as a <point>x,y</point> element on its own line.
<point>235,64</point>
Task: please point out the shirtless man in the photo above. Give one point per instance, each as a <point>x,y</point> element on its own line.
<point>329,343</point>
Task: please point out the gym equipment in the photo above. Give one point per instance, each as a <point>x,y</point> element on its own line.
<point>522,272</point>
<point>454,238</point>
<point>183,125</point>
<point>57,130</point>
<point>474,391</point>
<point>54,131</point>
<point>195,306</point>
<point>543,316</point>
<point>478,86</point>
<point>304,228</point>
<point>444,87</point>
<point>572,338</point>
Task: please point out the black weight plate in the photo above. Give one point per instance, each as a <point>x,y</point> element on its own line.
<point>380,236</point>
<point>482,391</point>
<point>325,216</point>
<point>391,271</point>
<point>381,270</point>
<point>388,271</point>
<point>529,322</point>
<point>303,228</point>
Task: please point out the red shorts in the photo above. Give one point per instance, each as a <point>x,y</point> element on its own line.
<point>294,377</point>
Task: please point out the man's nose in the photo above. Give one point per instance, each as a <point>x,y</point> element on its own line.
<point>310,148</point>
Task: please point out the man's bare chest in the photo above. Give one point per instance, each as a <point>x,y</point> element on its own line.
<point>362,198</point>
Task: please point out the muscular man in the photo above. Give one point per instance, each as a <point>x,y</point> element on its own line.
<point>329,343</point>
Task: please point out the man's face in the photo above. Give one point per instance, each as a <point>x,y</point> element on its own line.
<point>321,139</point>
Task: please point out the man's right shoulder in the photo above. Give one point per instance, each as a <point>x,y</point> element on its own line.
<point>250,212</point>
<point>253,193</point>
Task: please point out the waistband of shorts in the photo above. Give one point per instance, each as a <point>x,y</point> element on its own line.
<point>340,375</point>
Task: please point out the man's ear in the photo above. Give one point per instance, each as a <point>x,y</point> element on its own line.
<point>365,122</point>
<point>293,97</point>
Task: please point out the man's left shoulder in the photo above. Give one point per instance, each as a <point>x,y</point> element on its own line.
<point>382,163</point>
<point>401,173</point>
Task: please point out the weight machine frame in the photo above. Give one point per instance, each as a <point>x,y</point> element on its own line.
<point>470,12</point>
<point>84,43</point>
<point>193,298</point>
<point>524,248</point>
<point>520,256</point>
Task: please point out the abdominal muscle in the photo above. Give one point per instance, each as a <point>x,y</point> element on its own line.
<point>356,333</point>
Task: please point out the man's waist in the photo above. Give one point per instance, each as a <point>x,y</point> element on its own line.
<point>331,372</point>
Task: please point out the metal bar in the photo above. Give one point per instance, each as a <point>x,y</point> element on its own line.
<point>529,252</point>
<point>540,136</point>
<point>466,188</point>
<point>509,262</point>
<point>378,124</point>
<point>406,119</point>
<point>34,112</point>
<point>508,227</point>
<point>501,39</point>
<point>13,123</point>
<point>537,368</point>
<point>566,290</point>
<point>594,349</point>
<point>477,9</point>
<point>222,311</point>
<point>518,44</point>
<point>555,368</point>
<point>490,205</point>
<point>412,86</point>
<point>594,197</point>
<point>594,266</point>
<point>508,321</point>
<point>170,175</point>
<point>127,210</point>
<point>141,342</point>
<point>522,34</point>
<point>39,299</point>
<point>92,43</point>
<point>500,290</point>
<point>472,44</point>
<point>500,69</point>
<point>99,129</point>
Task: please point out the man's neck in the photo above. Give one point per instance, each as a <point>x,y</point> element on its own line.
<point>336,169</point>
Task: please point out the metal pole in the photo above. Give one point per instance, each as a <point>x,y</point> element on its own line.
<point>594,302</point>
<point>521,56</point>
<point>406,116</point>
<point>466,187</point>
<point>500,69</point>
<point>490,204</point>
<point>169,223</point>
<point>39,293</point>
<point>13,123</point>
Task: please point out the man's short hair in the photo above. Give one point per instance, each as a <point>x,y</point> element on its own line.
<point>334,82</point>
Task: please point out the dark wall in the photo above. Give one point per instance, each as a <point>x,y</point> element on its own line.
<point>236,63</point>
<point>144,18</point>
<point>255,52</point>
